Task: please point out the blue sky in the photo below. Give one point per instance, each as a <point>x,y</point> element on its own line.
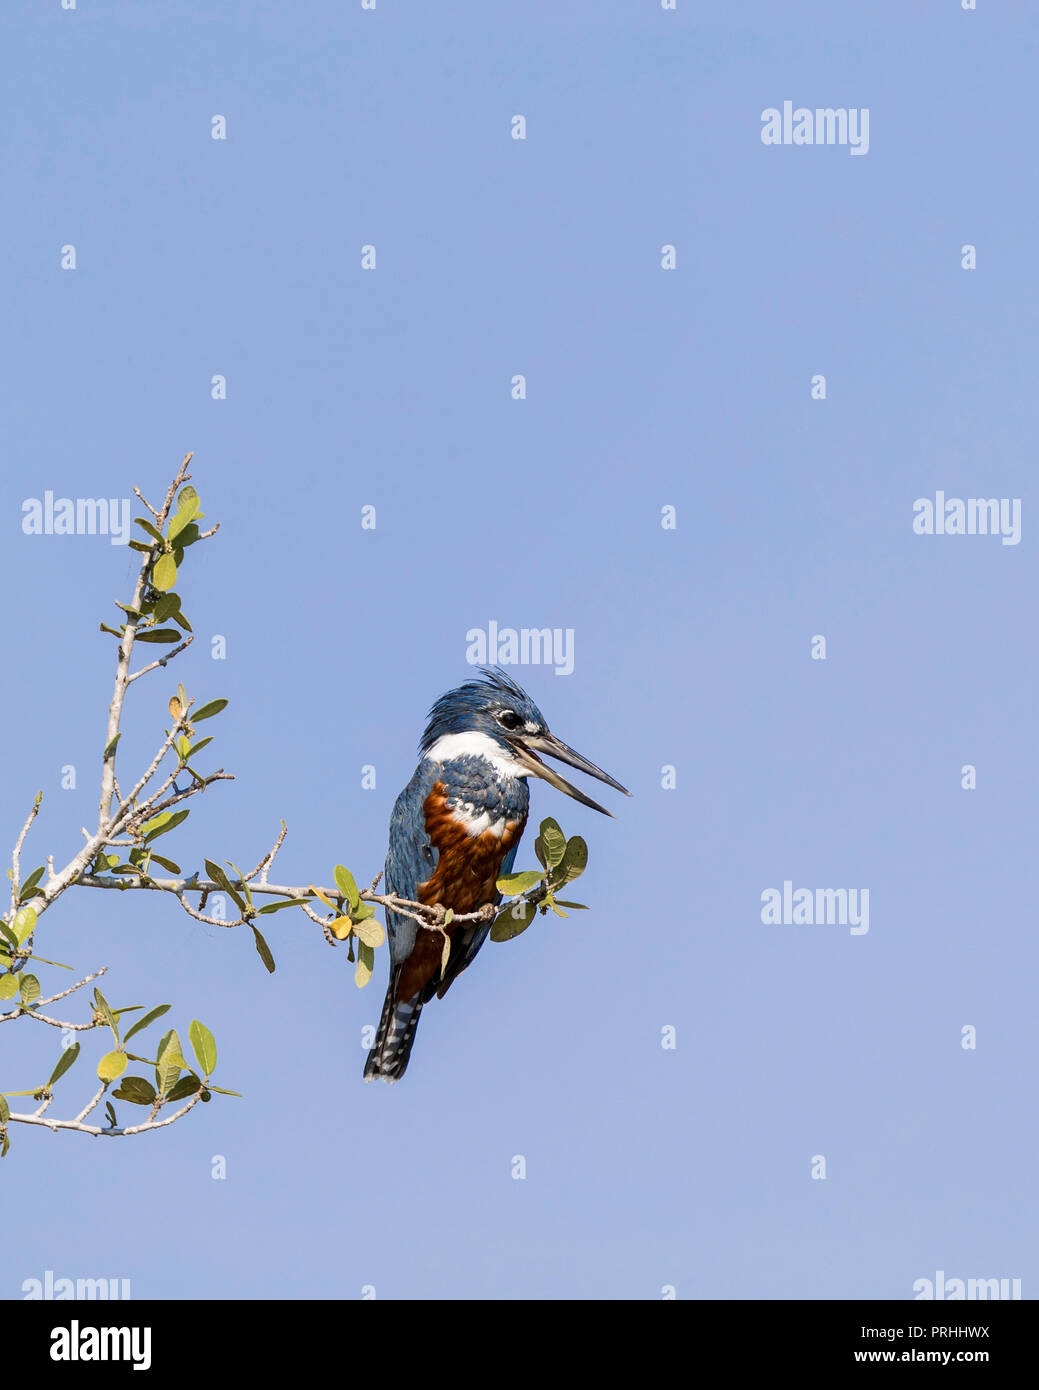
<point>645,1168</point>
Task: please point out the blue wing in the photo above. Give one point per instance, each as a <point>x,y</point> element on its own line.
<point>411,858</point>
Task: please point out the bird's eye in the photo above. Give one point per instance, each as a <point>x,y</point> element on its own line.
<point>509,719</point>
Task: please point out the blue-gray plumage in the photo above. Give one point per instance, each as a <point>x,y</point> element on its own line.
<point>454,831</point>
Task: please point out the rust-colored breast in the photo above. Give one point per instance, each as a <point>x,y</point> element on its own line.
<point>468,865</point>
<point>463,880</point>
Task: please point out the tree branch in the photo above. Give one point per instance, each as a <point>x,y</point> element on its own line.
<point>16,856</point>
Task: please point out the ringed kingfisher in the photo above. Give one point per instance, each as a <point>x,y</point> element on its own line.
<point>454,831</point>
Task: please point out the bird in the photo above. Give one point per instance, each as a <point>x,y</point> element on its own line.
<point>454,830</point>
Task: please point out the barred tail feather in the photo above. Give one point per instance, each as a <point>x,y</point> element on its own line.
<point>388,1059</point>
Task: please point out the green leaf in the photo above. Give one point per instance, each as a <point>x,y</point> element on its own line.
<point>183,747</point>
<point>346,885</point>
<point>164,573</point>
<point>148,1019</point>
<point>159,634</point>
<point>29,886</point>
<point>207,711</point>
<point>186,513</point>
<point>539,853</point>
<point>365,964</point>
<point>24,923</point>
<point>218,876</point>
<point>65,1061</point>
<point>60,965</point>
<point>137,1090</point>
<point>167,821</point>
<point>139,545</point>
<point>29,988</point>
<point>8,986</point>
<point>112,747</point>
<point>197,747</point>
<point>186,1086</point>
<point>111,1066</point>
<point>263,950</point>
<point>168,1062</point>
<point>563,903</point>
<point>224,1092</point>
<point>186,496</point>
<point>370,933</point>
<point>110,1112</point>
<point>241,879</point>
<point>8,934</point>
<point>202,1041</point>
<point>5,1111</point>
<point>166,863</point>
<point>553,842</point>
<point>573,863</point>
<point>284,902</point>
<point>166,607</point>
<point>512,920</point>
<point>147,526</point>
<point>518,883</point>
<point>105,1010</point>
<point>187,537</point>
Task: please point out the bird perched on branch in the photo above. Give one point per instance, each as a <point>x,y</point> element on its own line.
<point>454,831</point>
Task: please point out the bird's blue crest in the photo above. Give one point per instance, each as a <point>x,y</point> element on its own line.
<point>470,706</point>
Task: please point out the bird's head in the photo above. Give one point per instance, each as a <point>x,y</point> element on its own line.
<point>495,716</point>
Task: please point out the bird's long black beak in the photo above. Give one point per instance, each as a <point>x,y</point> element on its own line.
<point>529,746</point>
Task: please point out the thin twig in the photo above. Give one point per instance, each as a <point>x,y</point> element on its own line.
<point>107,1132</point>
<point>122,674</point>
<point>16,857</point>
<point>46,1102</point>
<point>54,1022</point>
<point>153,808</point>
<point>91,1105</point>
<point>144,499</point>
<point>268,859</point>
<point>53,999</point>
<point>162,660</point>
